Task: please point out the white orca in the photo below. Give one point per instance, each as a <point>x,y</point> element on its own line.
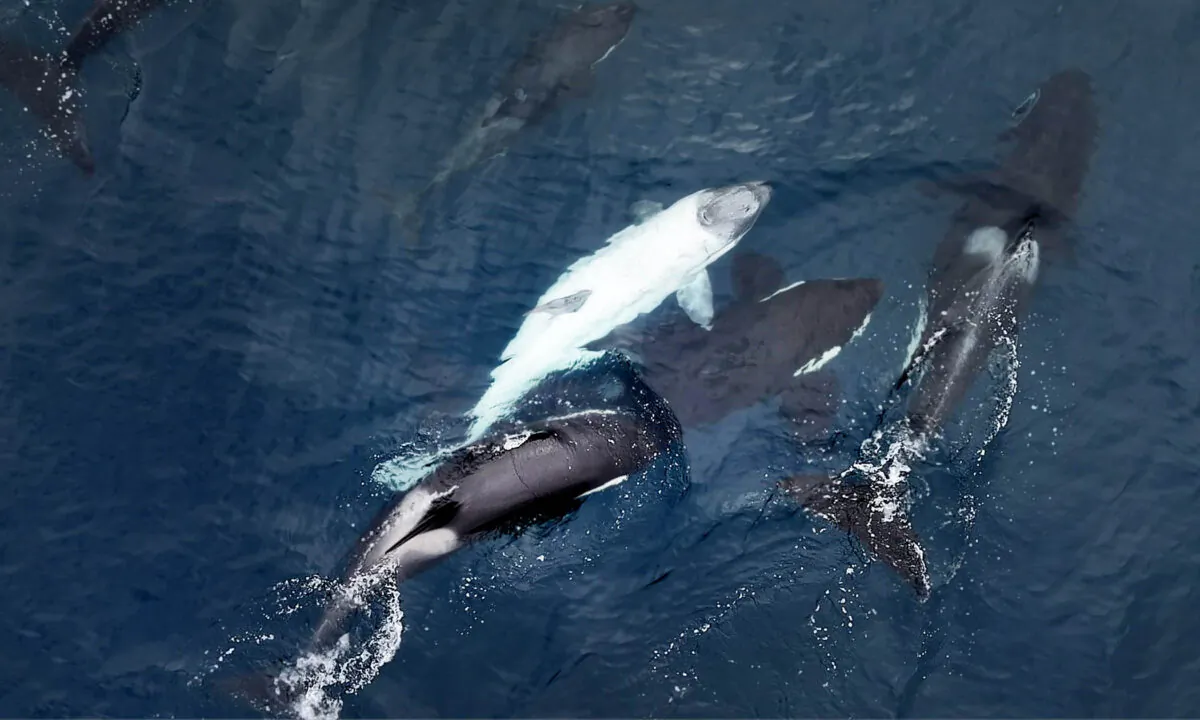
<point>633,273</point>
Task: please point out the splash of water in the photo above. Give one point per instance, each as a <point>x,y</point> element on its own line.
<point>315,676</point>
<point>1009,366</point>
<point>315,682</point>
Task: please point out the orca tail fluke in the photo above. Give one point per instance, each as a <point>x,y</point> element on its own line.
<point>877,519</point>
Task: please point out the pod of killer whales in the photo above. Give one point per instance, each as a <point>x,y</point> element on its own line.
<point>773,341</point>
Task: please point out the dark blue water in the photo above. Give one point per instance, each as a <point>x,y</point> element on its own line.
<point>209,346</point>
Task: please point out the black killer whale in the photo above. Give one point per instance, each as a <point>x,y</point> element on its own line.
<point>523,475</point>
<point>529,473</point>
<point>772,340</point>
<point>982,273</point>
<point>47,83</point>
<point>557,64</point>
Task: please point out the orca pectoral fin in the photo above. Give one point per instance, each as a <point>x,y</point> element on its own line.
<point>696,300</point>
<point>879,522</point>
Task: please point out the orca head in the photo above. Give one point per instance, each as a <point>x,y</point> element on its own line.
<point>1055,133</point>
<point>1067,91</point>
<point>601,28</point>
<point>728,213</point>
<point>617,14</point>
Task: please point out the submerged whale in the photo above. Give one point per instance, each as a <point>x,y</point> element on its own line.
<point>982,274</point>
<point>47,84</point>
<point>771,341</point>
<point>632,274</point>
<point>557,64</point>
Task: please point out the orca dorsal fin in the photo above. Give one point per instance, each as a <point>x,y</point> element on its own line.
<point>755,276</point>
<point>439,514</point>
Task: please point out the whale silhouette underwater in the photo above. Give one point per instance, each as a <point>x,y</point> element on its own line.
<point>559,64</point>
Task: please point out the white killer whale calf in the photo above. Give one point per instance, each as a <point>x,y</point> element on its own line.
<point>541,471</point>
<point>47,83</point>
<point>982,274</point>
<point>558,64</point>
<point>633,273</point>
<point>773,340</point>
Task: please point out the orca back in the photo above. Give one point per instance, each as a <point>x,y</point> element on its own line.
<point>563,459</point>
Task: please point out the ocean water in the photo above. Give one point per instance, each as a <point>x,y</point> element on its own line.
<point>208,347</point>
